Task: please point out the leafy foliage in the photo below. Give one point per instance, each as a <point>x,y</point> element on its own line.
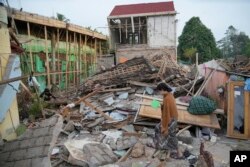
<point>189,53</point>
<point>234,43</point>
<point>197,36</point>
<point>61,17</point>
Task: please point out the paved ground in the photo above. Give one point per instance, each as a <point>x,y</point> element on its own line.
<point>33,147</point>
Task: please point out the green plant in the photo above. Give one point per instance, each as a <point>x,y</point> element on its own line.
<point>35,109</point>
<point>20,129</point>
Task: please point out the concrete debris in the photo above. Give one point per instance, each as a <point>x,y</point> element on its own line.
<point>125,143</point>
<point>120,153</point>
<point>113,134</point>
<point>89,138</point>
<point>96,122</point>
<point>186,137</point>
<point>138,150</point>
<point>69,127</point>
<point>128,128</point>
<point>117,116</point>
<point>149,90</point>
<point>55,150</point>
<point>109,101</point>
<point>123,95</point>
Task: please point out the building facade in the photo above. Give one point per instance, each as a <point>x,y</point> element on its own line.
<point>141,29</point>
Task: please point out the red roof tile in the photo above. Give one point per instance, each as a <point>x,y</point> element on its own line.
<point>143,8</point>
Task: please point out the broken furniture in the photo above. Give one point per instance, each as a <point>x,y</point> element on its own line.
<point>184,116</point>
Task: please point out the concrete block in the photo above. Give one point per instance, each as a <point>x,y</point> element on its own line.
<point>17,155</point>
<point>26,162</point>
<point>35,152</point>
<point>41,132</point>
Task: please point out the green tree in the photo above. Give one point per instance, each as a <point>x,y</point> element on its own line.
<point>196,35</point>
<point>61,17</point>
<point>234,43</point>
<point>189,53</point>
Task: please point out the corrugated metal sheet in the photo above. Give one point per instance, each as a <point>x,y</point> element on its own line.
<point>8,91</point>
<point>143,8</point>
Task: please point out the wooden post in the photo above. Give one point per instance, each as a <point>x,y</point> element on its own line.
<point>67,56</point>
<point>69,61</point>
<point>85,58</point>
<point>30,53</point>
<point>53,50</point>
<point>47,56</point>
<point>80,59</point>
<point>58,54</point>
<point>100,48</point>
<point>95,56</point>
<point>74,62</point>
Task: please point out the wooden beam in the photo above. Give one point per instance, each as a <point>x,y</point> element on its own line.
<point>25,88</point>
<point>79,60</point>
<point>58,54</point>
<point>30,53</point>
<point>53,50</point>
<point>74,62</point>
<point>85,58</point>
<point>69,62</point>
<point>67,57</point>
<point>100,48</point>
<point>46,21</point>
<point>47,56</point>
<point>95,56</point>
<point>142,84</point>
<point>116,90</point>
<point>97,110</point>
<point>159,99</point>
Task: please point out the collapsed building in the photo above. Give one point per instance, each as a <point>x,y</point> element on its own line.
<point>108,118</point>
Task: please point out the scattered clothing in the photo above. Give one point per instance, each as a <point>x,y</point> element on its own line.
<point>32,81</point>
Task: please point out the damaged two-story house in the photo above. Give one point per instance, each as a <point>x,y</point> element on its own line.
<point>141,29</point>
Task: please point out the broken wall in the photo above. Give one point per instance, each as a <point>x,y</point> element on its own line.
<point>126,52</point>
<point>219,79</point>
<point>161,31</point>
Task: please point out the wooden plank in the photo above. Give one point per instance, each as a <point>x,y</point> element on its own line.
<point>115,90</point>
<point>80,58</point>
<point>85,57</point>
<point>53,50</point>
<point>74,65</point>
<point>159,99</point>
<point>149,104</point>
<point>58,57</point>
<point>47,56</point>
<point>210,121</point>
<point>97,110</point>
<point>30,53</point>
<point>142,84</point>
<point>46,21</point>
<point>95,56</point>
<point>67,58</point>
<point>26,89</point>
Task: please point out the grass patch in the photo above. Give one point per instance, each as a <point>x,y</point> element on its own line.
<point>20,129</point>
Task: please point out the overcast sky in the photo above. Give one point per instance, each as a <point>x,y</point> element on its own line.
<point>217,15</point>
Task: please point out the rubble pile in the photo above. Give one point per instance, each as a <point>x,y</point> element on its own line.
<point>240,65</point>
<point>156,67</point>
